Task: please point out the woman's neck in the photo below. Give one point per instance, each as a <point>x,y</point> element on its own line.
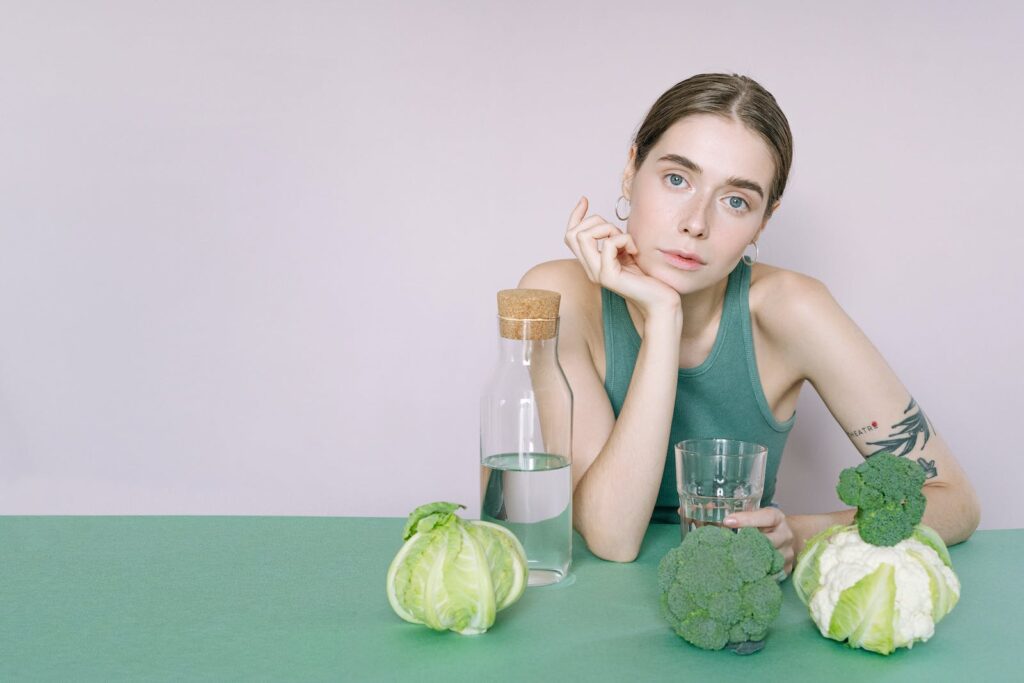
<point>702,309</point>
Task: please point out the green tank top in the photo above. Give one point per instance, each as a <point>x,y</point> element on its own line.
<point>720,398</point>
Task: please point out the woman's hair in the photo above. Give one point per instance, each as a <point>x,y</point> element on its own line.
<point>730,96</point>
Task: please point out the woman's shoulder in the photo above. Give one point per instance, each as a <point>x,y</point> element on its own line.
<point>560,271</point>
<point>565,276</point>
<point>783,300</point>
<point>580,307</point>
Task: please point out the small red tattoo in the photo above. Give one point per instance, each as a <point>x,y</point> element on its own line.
<point>874,424</point>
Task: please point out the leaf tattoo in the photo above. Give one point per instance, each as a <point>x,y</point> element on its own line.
<point>906,432</point>
<point>929,468</point>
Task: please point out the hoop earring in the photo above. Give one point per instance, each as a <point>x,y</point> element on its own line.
<point>757,252</point>
<point>618,214</point>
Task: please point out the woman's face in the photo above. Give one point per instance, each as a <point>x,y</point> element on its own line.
<point>698,200</point>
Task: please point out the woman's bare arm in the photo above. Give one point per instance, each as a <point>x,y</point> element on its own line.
<point>868,400</point>
<point>617,464</point>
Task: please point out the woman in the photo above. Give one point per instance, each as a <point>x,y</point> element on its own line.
<point>673,330</point>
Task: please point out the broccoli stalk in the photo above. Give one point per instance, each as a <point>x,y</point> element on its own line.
<point>887,492</point>
<point>718,588</point>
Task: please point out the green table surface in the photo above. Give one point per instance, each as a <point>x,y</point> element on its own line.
<point>302,598</point>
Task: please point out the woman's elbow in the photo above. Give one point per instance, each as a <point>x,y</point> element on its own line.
<point>972,515</point>
<point>607,549</point>
<point>966,512</point>
<point>607,538</point>
<point>617,555</point>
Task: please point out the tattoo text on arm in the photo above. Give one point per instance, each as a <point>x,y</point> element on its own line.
<point>863,430</point>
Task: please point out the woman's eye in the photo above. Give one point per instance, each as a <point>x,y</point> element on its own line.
<point>737,203</point>
<point>676,180</point>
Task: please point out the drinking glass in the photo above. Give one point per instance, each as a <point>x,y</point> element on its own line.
<point>716,477</point>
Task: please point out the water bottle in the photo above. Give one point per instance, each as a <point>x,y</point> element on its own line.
<point>526,434</point>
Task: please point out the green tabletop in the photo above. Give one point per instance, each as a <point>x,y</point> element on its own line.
<point>298,598</point>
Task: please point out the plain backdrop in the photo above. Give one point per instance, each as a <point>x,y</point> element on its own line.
<point>249,250</point>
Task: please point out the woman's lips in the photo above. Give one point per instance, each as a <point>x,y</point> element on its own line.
<point>682,260</point>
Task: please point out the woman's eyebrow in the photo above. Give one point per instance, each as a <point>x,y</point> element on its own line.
<point>745,184</point>
<point>682,161</point>
<point>690,165</point>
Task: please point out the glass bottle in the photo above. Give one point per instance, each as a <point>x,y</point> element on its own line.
<point>526,434</point>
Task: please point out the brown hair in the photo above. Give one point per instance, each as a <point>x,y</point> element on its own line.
<point>731,96</point>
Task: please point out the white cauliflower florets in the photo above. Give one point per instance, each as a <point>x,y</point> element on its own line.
<point>847,559</point>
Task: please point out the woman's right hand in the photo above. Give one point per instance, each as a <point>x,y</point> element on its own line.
<point>614,266</point>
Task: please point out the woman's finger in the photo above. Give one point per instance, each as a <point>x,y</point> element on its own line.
<point>610,254</point>
<point>780,536</point>
<point>573,241</point>
<point>576,224</point>
<point>574,247</point>
<point>578,212</point>
<point>587,241</point>
<point>590,222</point>
<point>595,229</point>
<point>761,518</point>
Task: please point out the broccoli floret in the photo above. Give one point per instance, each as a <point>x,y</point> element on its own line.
<point>887,492</point>
<point>718,587</point>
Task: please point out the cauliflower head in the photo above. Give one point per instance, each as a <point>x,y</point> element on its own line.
<point>875,597</point>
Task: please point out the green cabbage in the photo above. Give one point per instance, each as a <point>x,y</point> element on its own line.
<point>455,574</point>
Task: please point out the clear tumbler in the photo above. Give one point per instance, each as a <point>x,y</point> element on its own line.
<point>716,477</point>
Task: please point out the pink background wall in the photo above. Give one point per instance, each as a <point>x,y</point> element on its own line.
<point>248,251</point>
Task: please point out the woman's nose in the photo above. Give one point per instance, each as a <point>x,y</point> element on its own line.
<point>695,223</point>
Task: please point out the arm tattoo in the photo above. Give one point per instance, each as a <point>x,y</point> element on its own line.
<point>929,468</point>
<point>905,435</point>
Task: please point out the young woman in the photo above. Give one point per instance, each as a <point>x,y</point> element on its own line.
<point>671,330</point>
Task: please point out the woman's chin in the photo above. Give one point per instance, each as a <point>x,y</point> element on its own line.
<point>682,281</point>
<point>676,279</point>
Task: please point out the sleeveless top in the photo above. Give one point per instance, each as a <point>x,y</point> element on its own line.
<point>720,398</point>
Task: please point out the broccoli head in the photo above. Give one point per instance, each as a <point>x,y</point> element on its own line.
<point>718,587</point>
<point>887,492</point>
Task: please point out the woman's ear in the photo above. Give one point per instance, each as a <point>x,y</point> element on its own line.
<point>764,221</point>
<point>628,173</point>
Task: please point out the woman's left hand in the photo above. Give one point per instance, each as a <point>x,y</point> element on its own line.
<point>772,523</point>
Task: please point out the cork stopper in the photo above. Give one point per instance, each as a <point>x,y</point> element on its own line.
<point>528,313</point>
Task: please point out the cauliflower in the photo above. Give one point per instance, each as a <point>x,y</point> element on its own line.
<point>718,588</point>
<point>882,594</point>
